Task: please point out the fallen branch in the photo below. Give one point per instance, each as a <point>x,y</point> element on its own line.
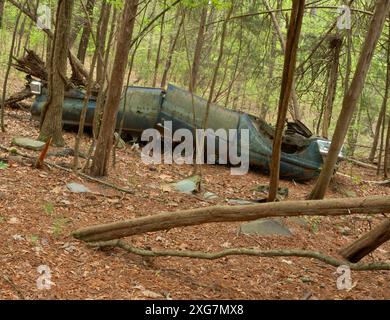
<point>242,252</point>
<point>362,164</point>
<point>367,243</point>
<point>169,220</point>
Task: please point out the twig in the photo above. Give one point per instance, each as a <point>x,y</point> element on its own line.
<point>243,251</point>
<point>12,284</point>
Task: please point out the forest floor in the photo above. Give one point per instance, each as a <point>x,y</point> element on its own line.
<point>38,214</point>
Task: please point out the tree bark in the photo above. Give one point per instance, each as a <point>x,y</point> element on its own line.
<point>335,44</point>
<point>198,50</point>
<point>52,112</point>
<point>285,93</point>
<point>367,243</point>
<point>2,2</point>
<point>296,113</point>
<point>106,134</point>
<point>102,33</point>
<point>172,48</point>
<point>350,100</point>
<point>184,218</point>
<point>7,72</point>
<point>158,56</point>
<point>83,46</point>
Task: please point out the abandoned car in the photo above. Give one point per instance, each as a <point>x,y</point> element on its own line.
<point>143,108</point>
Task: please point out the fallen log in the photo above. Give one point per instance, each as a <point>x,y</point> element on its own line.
<point>19,96</point>
<point>168,220</point>
<point>362,164</point>
<point>367,243</point>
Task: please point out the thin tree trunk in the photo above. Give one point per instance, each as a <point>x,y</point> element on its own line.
<point>2,2</point>
<point>171,50</point>
<point>332,85</point>
<point>198,50</point>
<point>350,100</point>
<point>158,56</point>
<point>83,46</point>
<point>217,65</point>
<point>106,134</point>
<point>285,93</point>
<point>296,113</point>
<point>8,71</point>
<point>185,218</point>
<point>21,34</point>
<point>103,27</point>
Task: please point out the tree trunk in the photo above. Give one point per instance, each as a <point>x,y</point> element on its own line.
<point>2,2</point>
<point>198,50</point>
<point>185,218</point>
<point>367,243</point>
<point>105,139</point>
<point>296,114</point>
<point>103,27</point>
<point>335,44</point>
<point>158,56</point>
<point>285,93</point>
<point>52,112</point>
<point>7,72</point>
<point>83,46</point>
<point>350,100</point>
<point>172,49</point>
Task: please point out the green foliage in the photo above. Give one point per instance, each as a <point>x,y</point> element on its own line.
<point>3,165</point>
<point>48,207</point>
<point>58,226</point>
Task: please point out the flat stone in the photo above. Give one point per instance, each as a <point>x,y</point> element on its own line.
<point>28,143</point>
<point>188,185</point>
<point>299,221</point>
<point>240,202</point>
<point>265,228</point>
<point>209,195</point>
<point>77,188</point>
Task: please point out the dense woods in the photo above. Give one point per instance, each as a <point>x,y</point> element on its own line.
<point>311,79</point>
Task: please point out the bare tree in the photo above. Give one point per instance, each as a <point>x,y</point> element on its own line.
<point>105,139</point>
<point>86,32</point>
<point>335,45</point>
<point>2,2</point>
<point>293,35</point>
<point>350,99</point>
<point>198,49</point>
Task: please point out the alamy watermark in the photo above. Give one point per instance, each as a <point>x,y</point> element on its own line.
<point>44,280</point>
<point>344,281</point>
<point>218,146</point>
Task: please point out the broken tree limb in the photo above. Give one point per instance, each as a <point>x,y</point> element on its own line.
<point>367,243</point>
<point>242,252</point>
<point>169,220</point>
<point>17,97</point>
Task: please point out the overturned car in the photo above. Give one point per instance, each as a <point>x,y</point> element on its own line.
<point>144,108</point>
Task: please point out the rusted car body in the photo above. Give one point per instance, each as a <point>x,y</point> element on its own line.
<point>143,108</point>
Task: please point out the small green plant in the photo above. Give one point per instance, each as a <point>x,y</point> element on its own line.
<point>34,239</point>
<point>3,165</point>
<point>1,219</point>
<point>48,207</point>
<point>58,225</point>
<point>315,223</point>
